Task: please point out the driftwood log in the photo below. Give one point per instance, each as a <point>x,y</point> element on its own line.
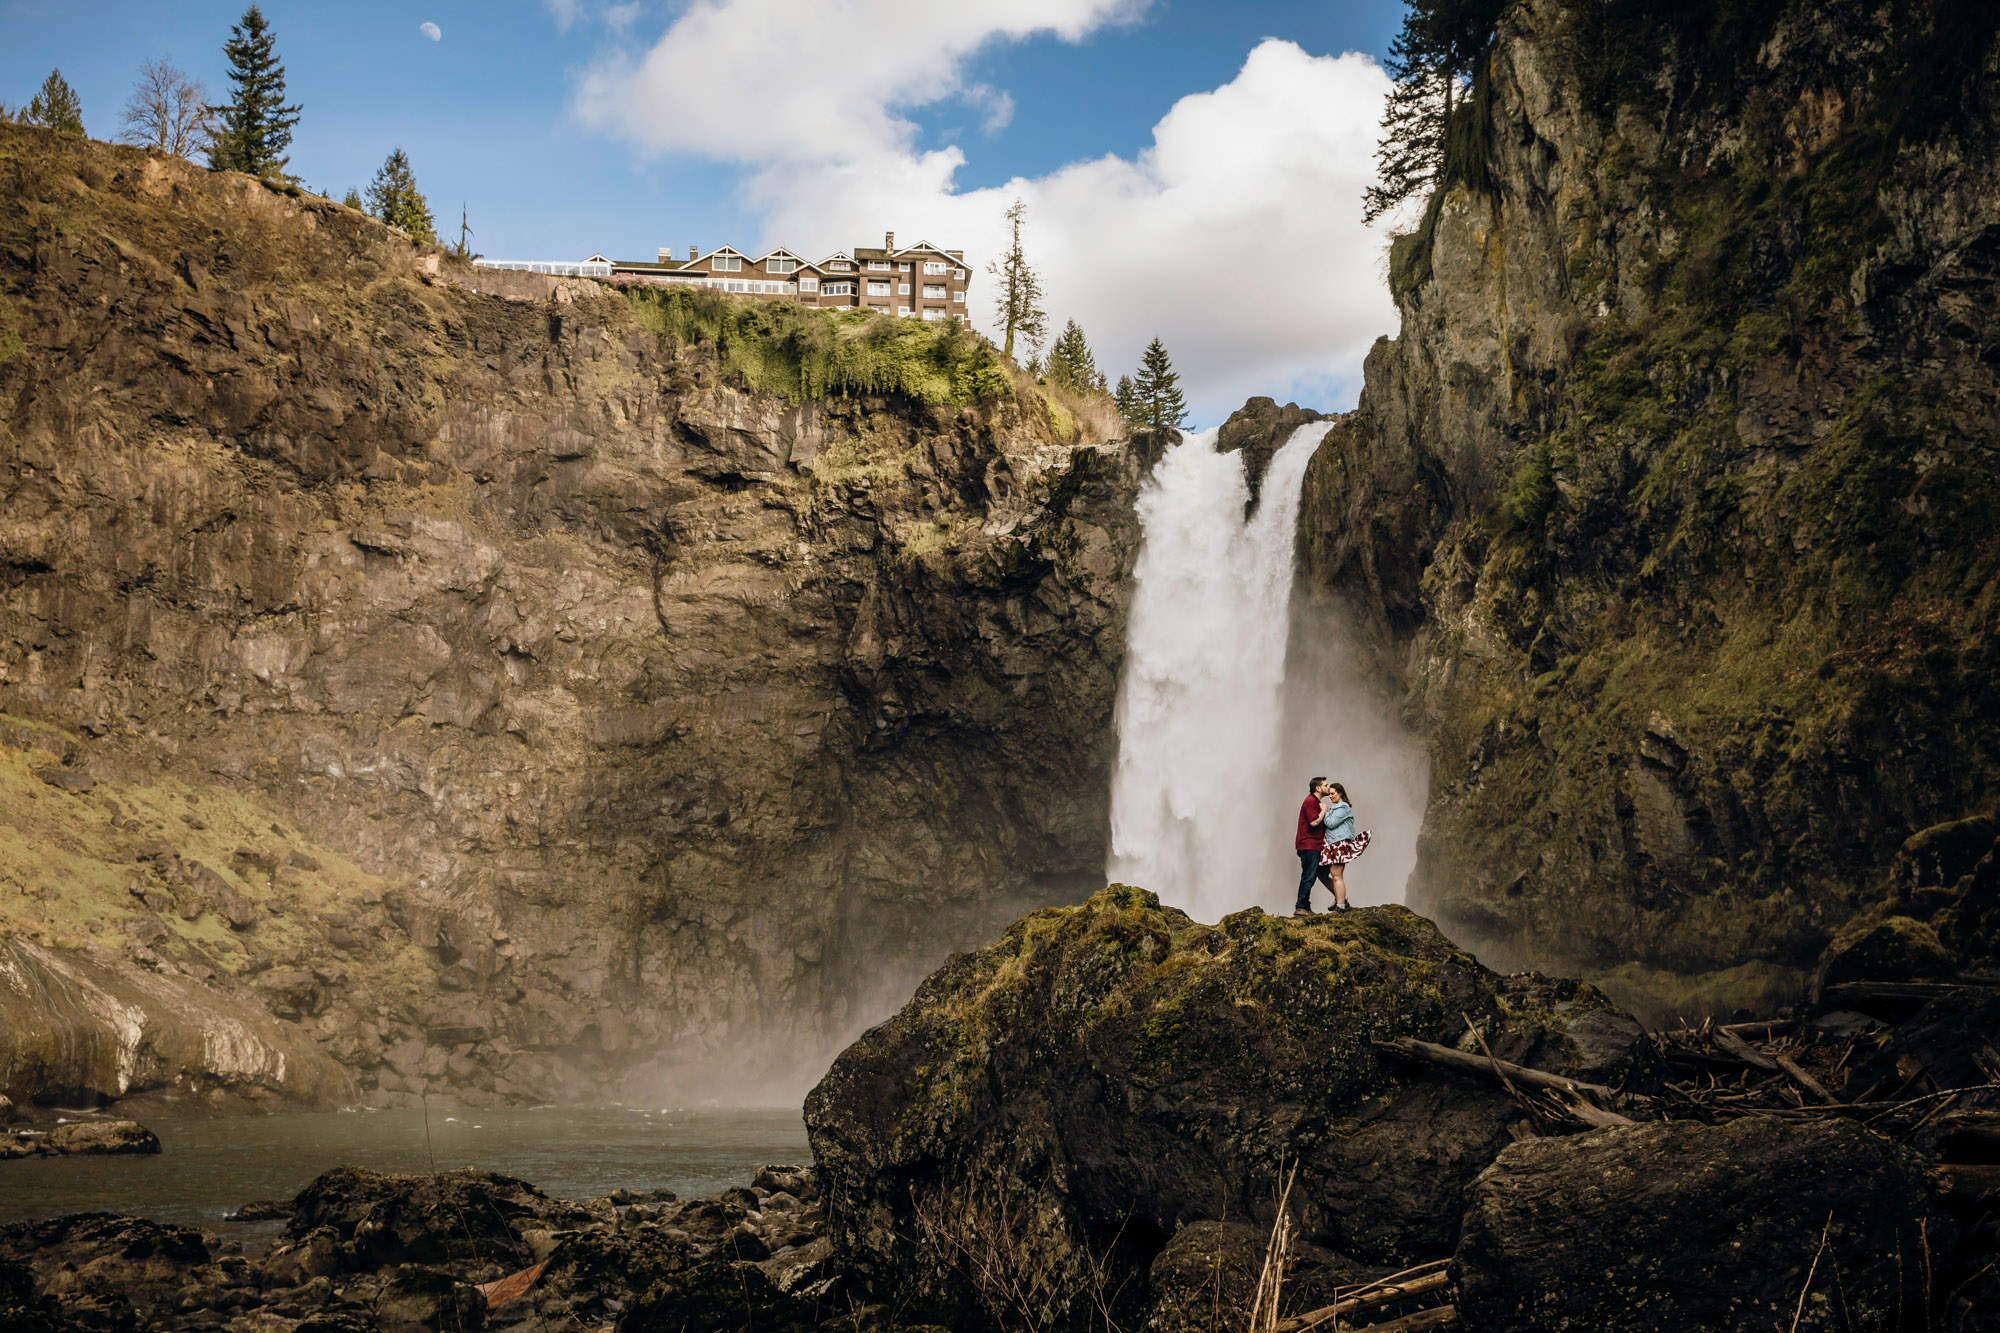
<point>1385,1292</point>
<point>1485,1066</point>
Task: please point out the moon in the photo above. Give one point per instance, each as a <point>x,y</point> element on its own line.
<point>431,30</point>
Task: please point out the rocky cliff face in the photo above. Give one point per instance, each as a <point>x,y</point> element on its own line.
<point>482,689</point>
<point>1673,506</point>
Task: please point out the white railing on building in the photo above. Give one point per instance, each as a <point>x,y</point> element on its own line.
<point>556,269</point>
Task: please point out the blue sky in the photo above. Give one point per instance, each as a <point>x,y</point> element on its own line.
<point>544,118</point>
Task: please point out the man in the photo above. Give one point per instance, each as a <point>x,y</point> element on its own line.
<point>1308,842</point>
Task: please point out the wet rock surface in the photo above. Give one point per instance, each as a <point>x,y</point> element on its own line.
<point>457,1250</point>
<point>85,1138</point>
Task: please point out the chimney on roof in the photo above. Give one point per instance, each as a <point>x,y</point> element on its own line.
<point>666,254</point>
<point>888,240</point>
<point>694,253</point>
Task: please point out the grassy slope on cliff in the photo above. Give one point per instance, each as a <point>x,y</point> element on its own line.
<point>1735,594</point>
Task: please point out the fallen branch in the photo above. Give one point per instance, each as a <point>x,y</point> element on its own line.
<point>1805,1080</point>
<point>1956,1180</point>
<point>1730,1043</point>
<point>1459,1062</point>
<point>1382,1294</point>
<point>1445,1316</point>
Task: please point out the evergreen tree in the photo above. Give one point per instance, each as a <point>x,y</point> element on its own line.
<point>1127,399</point>
<point>464,247</point>
<point>167,110</point>
<point>1156,393</point>
<point>254,130</point>
<point>1071,364</point>
<point>55,106</point>
<point>1431,59</point>
<point>1019,302</point>
<point>353,199</point>
<point>393,197</point>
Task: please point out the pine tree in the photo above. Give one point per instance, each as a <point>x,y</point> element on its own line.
<point>1431,59</point>
<point>353,199</point>
<point>1019,303</point>
<point>393,197</point>
<point>1071,365</point>
<point>464,247</point>
<point>1127,399</point>
<point>55,106</point>
<point>254,130</point>
<point>1156,393</point>
<point>167,110</point>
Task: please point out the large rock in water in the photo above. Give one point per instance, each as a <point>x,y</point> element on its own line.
<point>1110,1072</point>
<point>1675,1228</point>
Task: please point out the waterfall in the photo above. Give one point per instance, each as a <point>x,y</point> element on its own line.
<point>1211,724</point>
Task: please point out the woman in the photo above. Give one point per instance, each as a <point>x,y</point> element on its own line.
<point>1341,843</point>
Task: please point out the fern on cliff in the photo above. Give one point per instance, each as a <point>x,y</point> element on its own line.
<point>800,353</point>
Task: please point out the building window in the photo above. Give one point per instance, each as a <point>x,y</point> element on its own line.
<point>902,289</point>
<point>879,305</point>
<point>932,312</point>
<point>880,266</point>
<point>878,288</point>
<point>841,266</point>
<point>724,264</point>
<point>934,291</point>
<point>958,275</point>
<point>808,284</point>
<point>902,310</point>
<point>933,269</point>
<point>958,297</point>
<point>837,289</point>
<point>781,265</point>
<point>902,268</point>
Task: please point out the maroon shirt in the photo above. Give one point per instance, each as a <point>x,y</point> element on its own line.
<point>1309,839</point>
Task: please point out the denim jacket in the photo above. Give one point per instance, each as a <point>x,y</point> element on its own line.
<point>1339,821</point>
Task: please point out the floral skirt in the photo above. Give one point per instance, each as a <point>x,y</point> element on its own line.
<point>1345,850</point>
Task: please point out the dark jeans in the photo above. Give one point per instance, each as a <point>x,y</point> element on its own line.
<point>1308,872</point>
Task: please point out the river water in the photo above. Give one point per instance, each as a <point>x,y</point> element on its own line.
<point>209,1167</point>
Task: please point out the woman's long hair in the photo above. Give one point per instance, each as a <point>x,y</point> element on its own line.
<point>1342,790</point>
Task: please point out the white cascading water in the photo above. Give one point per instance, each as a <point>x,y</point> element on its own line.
<point>1203,798</point>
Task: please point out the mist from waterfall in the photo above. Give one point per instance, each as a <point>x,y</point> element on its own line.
<point>1235,691</point>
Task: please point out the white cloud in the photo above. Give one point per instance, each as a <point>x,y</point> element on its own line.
<point>1235,237</point>
<point>620,17</point>
<point>564,12</point>
<point>995,105</point>
<point>431,30</point>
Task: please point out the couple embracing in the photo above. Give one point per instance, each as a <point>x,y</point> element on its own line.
<point>1326,842</point>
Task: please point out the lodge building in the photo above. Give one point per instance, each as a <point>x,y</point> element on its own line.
<point>918,280</point>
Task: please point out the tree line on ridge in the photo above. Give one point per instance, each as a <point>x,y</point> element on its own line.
<point>250,132</point>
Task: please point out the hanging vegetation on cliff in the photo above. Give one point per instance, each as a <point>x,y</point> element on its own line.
<point>797,353</point>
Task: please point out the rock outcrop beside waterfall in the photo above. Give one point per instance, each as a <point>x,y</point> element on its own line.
<point>1107,1074</point>
<point>1672,506</point>
<point>439,674</point>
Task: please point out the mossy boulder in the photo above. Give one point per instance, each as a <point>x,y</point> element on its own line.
<point>382,1218</point>
<point>1108,1073</point>
<point>89,1137</point>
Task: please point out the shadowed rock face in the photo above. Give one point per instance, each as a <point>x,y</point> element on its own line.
<point>613,708</point>
<point>1745,1225</point>
<point>1672,504</point>
<point>1109,1072</point>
